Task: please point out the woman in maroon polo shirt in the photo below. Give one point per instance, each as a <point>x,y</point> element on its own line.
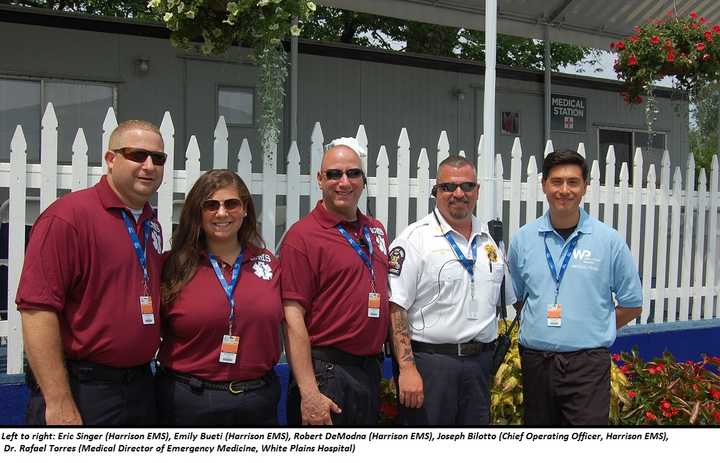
<point>221,313</point>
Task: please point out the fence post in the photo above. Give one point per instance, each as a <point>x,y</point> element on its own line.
<point>316,153</point>
<point>402,204</point>
<point>220,145</point>
<point>423,185</point>
<point>697,304</point>
<point>16,246</point>
<point>167,187</point>
<point>647,270</point>
<point>48,158</point>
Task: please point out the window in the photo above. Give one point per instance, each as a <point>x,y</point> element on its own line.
<point>625,142</point>
<point>77,105</point>
<point>237,104</point>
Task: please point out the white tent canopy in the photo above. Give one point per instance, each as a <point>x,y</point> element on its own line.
<point>592,23</point>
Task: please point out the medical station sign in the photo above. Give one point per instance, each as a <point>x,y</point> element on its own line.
<point>568,113</point>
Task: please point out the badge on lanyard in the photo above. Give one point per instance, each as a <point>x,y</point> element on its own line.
<point>146,307</point>
<point>373,296</point>
<point>229,349</point>
<point>554,311</point>
<point>230,343</point>
<point>374,305</point>
<point>554,315</point>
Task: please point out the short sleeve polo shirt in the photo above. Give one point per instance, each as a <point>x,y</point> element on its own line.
<point>428,280</point>
<point>600,267</point>
<point>324,274</point>
<point>80,262</point>
<point>195,323</point>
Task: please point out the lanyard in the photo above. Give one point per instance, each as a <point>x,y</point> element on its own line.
<point>553,270</point>
<point>229,288</point>
<point>467,263</point>
<point>140,251</point>
<point>365,258</point>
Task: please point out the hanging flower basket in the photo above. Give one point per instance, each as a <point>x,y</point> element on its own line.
<point>686,48</point>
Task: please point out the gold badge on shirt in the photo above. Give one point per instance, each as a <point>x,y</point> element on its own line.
<point>491,252</point>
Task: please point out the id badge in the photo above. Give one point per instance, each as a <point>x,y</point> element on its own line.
<point>228,351</point>
<point>374,305</point>
<point>146,310</point>
<point>554,315</point>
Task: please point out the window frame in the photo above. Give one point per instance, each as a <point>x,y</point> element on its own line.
<point>253,92</point>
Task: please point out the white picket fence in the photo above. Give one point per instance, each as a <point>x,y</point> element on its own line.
<point>673,235</point>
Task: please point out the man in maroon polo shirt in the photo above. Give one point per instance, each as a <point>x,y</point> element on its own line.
<point>334,289</point>
<point>89,292</point>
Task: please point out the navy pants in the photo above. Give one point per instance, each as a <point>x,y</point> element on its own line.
<point>180,404</point>
<point>354,388</point>
<point>566,388</point>
<point>456,390</point>
<point>104,396</point>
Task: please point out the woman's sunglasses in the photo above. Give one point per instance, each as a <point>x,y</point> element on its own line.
<point>140,155</point>
<point>336,174</point>
<point>213,205</point>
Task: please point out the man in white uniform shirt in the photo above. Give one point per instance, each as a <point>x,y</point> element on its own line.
<point>445,276</point>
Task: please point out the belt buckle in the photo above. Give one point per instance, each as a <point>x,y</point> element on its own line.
<point>231,388</point>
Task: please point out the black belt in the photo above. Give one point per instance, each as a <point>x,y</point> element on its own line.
<point>234,387</point>
<point>459,350</point>
<point>333,355</point>
<point>83,370</point>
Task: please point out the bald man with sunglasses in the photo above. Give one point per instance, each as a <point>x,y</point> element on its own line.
<point>445,277</point>
<point>335,295</point>
<point>89,293</point>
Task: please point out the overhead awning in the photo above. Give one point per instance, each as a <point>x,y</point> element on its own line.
<point>592,23</point>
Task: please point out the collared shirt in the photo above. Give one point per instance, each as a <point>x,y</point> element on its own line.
<point>194,324</point>
<point>601,266</point>
<point>325,275</point>
<point>428,281</point>
<point>80,263</point>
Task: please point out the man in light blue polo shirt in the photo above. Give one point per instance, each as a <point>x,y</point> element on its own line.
<point>579,284</point>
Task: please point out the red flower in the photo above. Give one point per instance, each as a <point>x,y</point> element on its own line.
<point>615,357</point>
<point>633,38</point>
<point>702,19</point>
<point>693,15</point>
<point>716,28</point>
<point>670,57</point>
<point>654,39</point>
<point>632,61</point>
<point>638,99</point>
<point>700,46</point>
<point>667,414</point>
<point>650,416</point>
<point>625,368</point>
<point>631,394</point>
<point>620,45</point>
<point>695,26</point>
<point>715,394</point>
<point>388,409</point>
<point>705,57</point>
<point>716,415</point>
<point>665,405</point>
<point>708,36</point>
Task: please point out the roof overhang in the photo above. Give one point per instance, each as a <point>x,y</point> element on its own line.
<point>590,23</point>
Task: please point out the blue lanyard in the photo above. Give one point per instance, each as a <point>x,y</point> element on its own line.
<point>140,251</point>
<point>467,263</point>
<point>553,270</point>
<point>365,258</point>
<point>228,288</point>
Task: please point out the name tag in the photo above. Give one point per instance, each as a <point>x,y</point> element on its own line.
<point>554,315</point>
<point>146,310</point>
<point>228,351</point>
<point>374,305</point>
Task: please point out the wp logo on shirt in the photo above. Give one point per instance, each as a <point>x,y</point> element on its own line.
<point>582,254</point>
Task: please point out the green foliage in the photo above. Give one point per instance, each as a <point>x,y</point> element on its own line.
<point>335,25</point>
<point>135,9</point>
<point>703,136</point>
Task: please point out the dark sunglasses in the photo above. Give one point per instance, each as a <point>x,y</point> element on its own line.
<point>213,205</point>
<point>450,187</point>
<point>140,155</point>
<point>336,174</point>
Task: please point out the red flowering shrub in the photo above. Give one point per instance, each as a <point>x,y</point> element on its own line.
<point>667,392</point>
<point>682,47</point>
